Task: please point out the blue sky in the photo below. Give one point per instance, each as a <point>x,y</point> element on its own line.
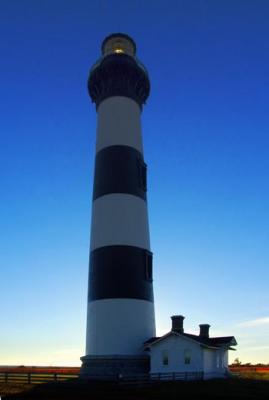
<point>206,142</point>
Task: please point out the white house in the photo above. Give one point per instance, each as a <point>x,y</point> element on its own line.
<point>177,351</point>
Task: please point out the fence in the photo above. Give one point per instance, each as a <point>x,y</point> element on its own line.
<point>161,377</point>
<point>45,377</point>
<point>34,377</point>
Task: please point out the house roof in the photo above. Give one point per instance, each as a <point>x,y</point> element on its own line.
<point>214,342</point>
<point>151,340</point>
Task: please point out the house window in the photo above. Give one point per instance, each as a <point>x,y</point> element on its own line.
<point>222,361</point>
<point>165,357</point>
<point>187,356</point>
<point>218,361</point>
<point>148,266</point>
<point>142,174</point>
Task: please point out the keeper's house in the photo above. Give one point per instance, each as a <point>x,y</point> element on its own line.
<point>183,352</point>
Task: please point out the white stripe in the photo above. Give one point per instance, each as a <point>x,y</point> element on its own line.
<point>119,326</point>
<point>119,219</point>
<point>119,123</point>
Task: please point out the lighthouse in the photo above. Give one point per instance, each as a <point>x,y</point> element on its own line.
<point>120,315</point>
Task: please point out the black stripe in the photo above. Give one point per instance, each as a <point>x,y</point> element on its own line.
<point>119,169</point>
<point>120,272</point>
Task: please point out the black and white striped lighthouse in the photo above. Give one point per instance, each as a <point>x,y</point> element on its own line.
<point>120,297</point>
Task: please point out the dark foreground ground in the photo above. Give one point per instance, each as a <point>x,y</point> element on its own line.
<point>76,390</point>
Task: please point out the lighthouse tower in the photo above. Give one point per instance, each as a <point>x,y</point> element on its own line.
<point>120,297</point>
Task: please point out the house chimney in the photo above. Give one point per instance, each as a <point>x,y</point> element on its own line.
<point>177,323</point>
<point>204,330</point>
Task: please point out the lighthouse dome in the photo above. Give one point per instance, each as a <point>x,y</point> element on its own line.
<point>118,43</point>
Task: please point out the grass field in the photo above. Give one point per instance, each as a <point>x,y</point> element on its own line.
<point>13,388</point>
<point>254,375</point>
<point>259,373</point>
<point>238,389</point>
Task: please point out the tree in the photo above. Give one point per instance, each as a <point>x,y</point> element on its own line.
<point>237,362</point>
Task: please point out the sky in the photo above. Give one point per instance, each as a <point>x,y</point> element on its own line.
<point>205,131</point>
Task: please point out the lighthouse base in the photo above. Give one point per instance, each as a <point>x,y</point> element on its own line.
<point>113,367</point>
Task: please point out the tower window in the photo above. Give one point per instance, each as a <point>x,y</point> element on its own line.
<point>148,266</point>
<point>144,177</point>
<point>142,174</point>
